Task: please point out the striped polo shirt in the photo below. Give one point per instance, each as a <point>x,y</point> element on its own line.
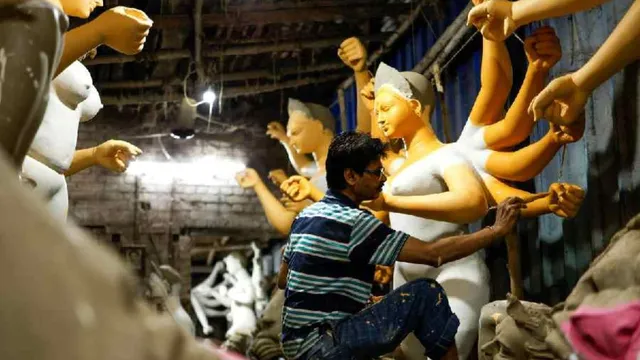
<point>331,254</point>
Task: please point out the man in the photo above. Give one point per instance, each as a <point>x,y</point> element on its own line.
<point>330,259</point>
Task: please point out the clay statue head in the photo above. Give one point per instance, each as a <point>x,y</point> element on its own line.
<point>73,85</point>
<point>307,122</point>
<point>402,101</point>
<point>91,106</point>
<point>80,8</point>
<point>520,332</point>
<point>234,262</point>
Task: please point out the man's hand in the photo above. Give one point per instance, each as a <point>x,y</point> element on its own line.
<point>494,19</point>
<point>507,214</point>
<point>276,131</point>
<point>353,54</point>
<point>543,48</point>
<point>248,178</point>
<point>115,155</point>
<point>565,199</point>
<point>297,188</point>
<point>568,134</point>
<point>368,95</point>
<point>124,29</point>
<point>561,102</point>
<point>277,176</point>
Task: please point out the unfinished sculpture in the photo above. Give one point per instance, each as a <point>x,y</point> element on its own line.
<point>238,299</point>
<point>309,131</point>
<point>98,315</point>
<point>354,54</point>
<point>53,154</point>
<point>512,329</point>
<point>242,295</point>
<point>98,309</point>
<point>563,100</point>
<point>121,28</point>
<point>207,299</point>
<point>30,46</point>
<point>73,99</point>
<point>610,281</point>
<point>165,284</point>
<point>257,278</point>
<point>440,187</point>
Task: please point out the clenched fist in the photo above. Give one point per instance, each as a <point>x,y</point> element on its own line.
<point>353,53</point>
<point>543,48</point>
<point>123,29</point>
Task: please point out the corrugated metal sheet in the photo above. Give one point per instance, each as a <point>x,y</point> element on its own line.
<point>606,162</point>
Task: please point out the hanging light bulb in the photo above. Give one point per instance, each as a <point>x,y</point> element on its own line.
<point>209,96</point>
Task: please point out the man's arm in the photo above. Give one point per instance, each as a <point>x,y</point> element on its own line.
<point>442,251</point>
<point>282,275</point>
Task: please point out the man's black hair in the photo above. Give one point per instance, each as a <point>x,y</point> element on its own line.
<point>351,150</point>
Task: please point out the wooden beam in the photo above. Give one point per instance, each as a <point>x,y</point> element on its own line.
<point>344,13</point>
<point>230,51</point>
<point>389,43</point>
<point>161,55</point>
<point>228,92</point>
<point>236,76</point>
<point>284,5</point>
<point>288,46</point>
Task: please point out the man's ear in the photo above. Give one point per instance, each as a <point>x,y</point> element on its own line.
<point>416,107</point>
<point>350,176</point>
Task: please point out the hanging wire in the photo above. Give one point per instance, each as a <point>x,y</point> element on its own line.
<point>564,152</point>
<point>184,84</point>
<point>413,39</point>
<point>163,148</point>
<point>221,85</point>
<point>459,50</point>
<point>428,23</point>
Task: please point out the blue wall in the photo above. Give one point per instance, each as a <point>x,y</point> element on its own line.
<point>606,162</point>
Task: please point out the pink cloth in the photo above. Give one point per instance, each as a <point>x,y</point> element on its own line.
<point>222,354</point>
<point>605,334</point>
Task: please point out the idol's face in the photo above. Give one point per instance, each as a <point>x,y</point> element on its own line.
<point>304,133</point>
<point>390,110</point>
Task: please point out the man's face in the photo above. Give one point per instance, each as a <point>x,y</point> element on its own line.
<point>368,185</point>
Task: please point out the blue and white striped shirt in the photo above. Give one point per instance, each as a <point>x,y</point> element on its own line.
<point>332,252</point>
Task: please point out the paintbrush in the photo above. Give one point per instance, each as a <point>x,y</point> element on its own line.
<point>529,199</point>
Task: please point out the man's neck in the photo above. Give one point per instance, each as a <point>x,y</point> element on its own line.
<point>348,193</point>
